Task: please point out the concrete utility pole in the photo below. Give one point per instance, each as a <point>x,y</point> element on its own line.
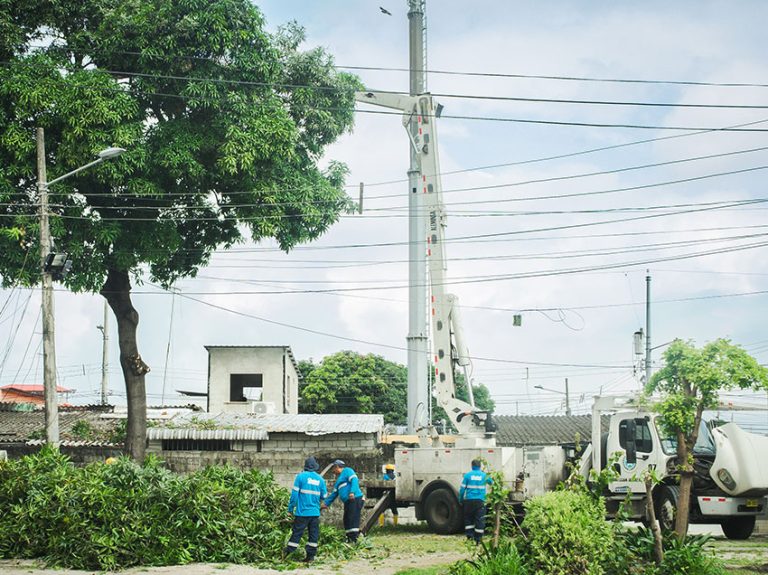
<point>648,368</point>
<point>419,397</point>
<point>49,348</point>
<point>567,399</point>
<point>104,328</point>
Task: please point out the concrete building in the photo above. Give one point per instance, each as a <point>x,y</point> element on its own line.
<point>252,379</point>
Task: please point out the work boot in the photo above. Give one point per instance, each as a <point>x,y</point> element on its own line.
<point>394,519</point>
<point>309,559</point>
<point>381,520</point>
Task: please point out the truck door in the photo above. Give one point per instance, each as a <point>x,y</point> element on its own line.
<point>636,449</point>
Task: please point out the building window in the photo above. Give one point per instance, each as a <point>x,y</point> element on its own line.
<point>245,387</point>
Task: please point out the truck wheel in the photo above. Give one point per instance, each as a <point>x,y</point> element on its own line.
<point>738,528</point>
<point>442,512</point>
<point>666,507</point>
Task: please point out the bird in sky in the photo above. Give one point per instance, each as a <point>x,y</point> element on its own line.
<point>385,11</point>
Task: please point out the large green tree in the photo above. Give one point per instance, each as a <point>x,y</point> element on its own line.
<point>224,124</point>
<point>349,382</point>
<point>690,383</point>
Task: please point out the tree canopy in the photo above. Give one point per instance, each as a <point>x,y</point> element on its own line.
<point>224,124</point>
<point>690,383</point>
<point>349,382</point>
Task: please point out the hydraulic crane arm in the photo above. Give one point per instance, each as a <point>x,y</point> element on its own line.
<point>444,311</point>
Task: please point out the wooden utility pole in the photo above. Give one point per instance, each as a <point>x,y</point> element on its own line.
<point>49,348</point>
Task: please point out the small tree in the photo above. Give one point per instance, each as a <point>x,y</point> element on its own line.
<point>689,383</point>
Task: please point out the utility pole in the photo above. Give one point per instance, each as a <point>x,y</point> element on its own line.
<point>419,395</point>
<point>49,349</point>
<point>648,368</point>
<point>567,399</point>
<point>104,328</point>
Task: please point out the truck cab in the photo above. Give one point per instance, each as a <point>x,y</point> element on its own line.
<point>730,475</point>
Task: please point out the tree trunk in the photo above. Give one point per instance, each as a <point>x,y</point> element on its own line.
<point>650,513</point>
<point>686,482</point>
<point>117,292</point>
<point>497,527</point>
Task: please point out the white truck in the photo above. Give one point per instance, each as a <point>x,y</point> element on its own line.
<point>731,465</point>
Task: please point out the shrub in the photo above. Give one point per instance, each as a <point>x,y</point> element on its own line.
<point>687,557</point>
<point>503,560</point>
<point>567,534</point>
<point>110,517</point>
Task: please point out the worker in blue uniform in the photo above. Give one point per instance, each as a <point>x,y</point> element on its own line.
<point>389,475</point>
<point>347,487</point>
<point>472,497</point>
<point>306,496</point>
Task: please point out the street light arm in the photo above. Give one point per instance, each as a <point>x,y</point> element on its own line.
<point>73,172</point>
<point>105,154</point>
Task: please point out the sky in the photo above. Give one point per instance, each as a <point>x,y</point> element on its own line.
<point>575,206</point>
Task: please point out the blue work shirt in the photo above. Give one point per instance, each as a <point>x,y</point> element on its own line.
<point>307,493</point>
<point>346,483</point>
<point>388,477</point>
<point>473,485</point>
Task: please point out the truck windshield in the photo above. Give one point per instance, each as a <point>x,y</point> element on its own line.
<point>705,445</point>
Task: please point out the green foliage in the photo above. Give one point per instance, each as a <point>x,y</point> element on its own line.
<point>109,517</point>
<point>82,429</point>
<point>688,556</point>
<point>503,560</point>
<point>349,382</point>
<point>692,378</point>
<point>566,534</point>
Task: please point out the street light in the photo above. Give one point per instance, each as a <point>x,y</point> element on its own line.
<point>566,394</point>
<point>55,266</point>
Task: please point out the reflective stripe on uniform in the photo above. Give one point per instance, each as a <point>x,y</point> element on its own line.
<point>292,544</point>
<point>309,492</point>
<point>354,529</point>
<point>310,544</point>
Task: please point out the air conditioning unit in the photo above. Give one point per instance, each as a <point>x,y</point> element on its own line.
<point>262,407</point>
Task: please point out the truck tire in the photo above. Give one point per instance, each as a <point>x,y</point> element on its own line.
<point>666,507</point>
<point>443,512</point>
<point>738,528</point>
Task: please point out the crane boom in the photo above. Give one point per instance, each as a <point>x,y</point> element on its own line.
<point>475,426</point>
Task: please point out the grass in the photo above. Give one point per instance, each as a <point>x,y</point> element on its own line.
<point>434,570</point>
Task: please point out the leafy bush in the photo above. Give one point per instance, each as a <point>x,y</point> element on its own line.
<point>567,534</point>
<point>110,517</point>
<point>503,560</point>
<point>687,557</point>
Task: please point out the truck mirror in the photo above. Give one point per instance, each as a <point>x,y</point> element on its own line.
<point>631,446</point>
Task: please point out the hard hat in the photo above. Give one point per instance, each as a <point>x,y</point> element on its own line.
<point>389,466</point>
<point>110,460</point>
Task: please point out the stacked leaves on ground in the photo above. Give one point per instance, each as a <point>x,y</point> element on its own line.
<point>115,516</point>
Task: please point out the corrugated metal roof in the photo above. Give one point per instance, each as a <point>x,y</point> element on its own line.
<point>543,429</point>
<point>19,426</point>
<point>282,423</point>
<point>227,434</point>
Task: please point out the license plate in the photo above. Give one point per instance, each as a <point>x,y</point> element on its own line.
<point>753,503</point>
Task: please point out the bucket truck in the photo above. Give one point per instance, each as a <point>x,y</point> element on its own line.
<point>732,472</point>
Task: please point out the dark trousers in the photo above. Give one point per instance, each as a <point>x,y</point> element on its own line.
<point>352,510</point>
<point>474,519</point>
<point>312,524</point>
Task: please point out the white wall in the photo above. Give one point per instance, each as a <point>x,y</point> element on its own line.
<point>273,363</point>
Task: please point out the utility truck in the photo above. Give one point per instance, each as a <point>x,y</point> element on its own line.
<point>731,481</point>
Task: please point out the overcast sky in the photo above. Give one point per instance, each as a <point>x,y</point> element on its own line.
<point>661,218</point>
